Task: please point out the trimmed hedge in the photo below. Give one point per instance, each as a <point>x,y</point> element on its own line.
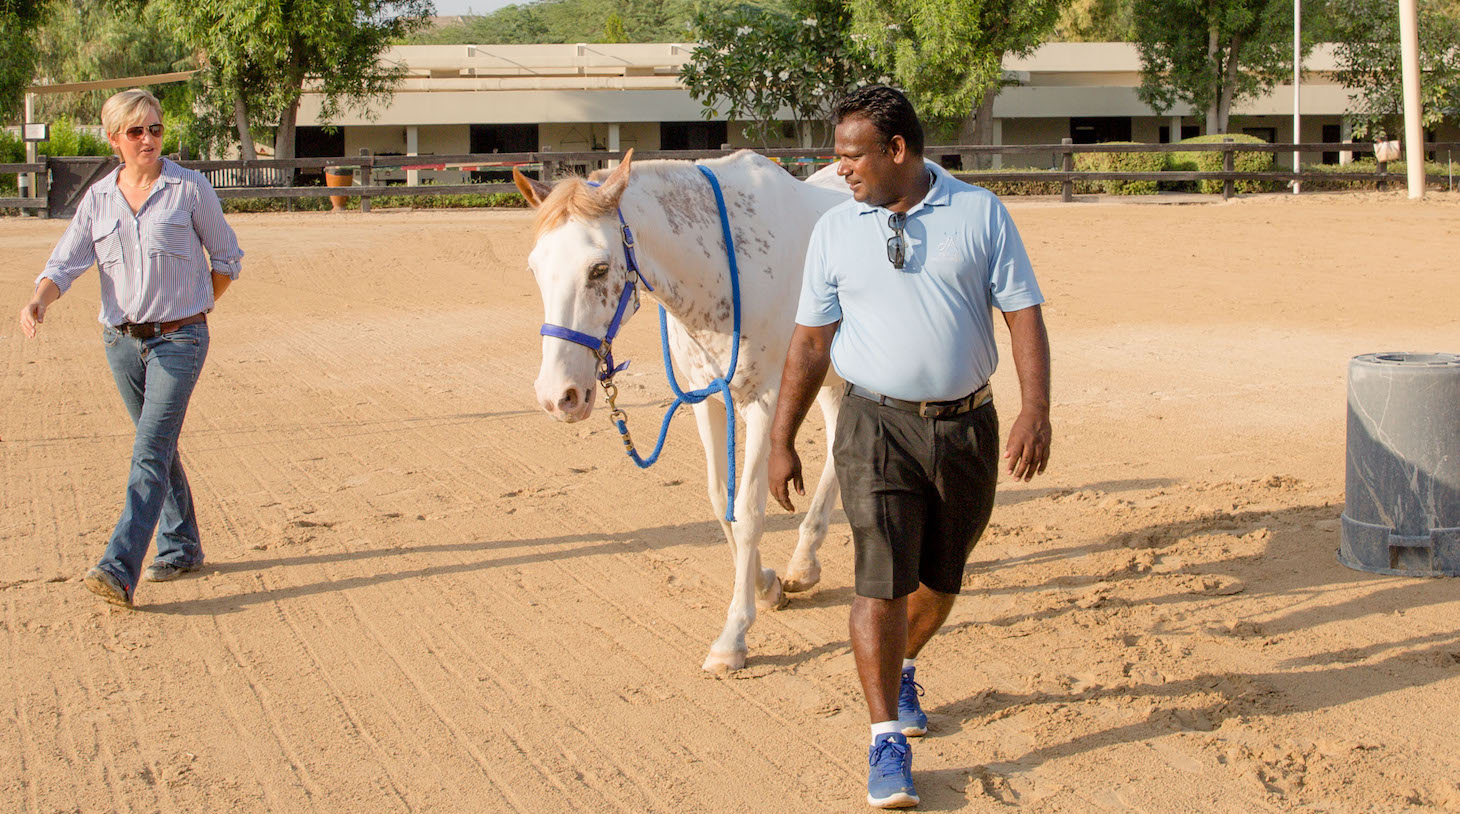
<point>1212,162</point>
<point>1397,174</point>
<point>470,200</point>
<point>1122,162</point>
<point>1003,188</point>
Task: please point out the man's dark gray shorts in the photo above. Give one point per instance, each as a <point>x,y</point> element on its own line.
<point>918,493</point>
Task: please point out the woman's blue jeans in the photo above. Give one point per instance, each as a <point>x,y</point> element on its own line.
<point>156,378</point>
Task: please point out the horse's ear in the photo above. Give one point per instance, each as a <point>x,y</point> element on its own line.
<point>613,187</point>
<point>534,191</point>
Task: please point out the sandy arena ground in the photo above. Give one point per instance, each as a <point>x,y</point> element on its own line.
<point>423,594</point>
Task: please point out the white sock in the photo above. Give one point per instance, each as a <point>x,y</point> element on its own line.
<point>885,728</point>
<point>912,662</point>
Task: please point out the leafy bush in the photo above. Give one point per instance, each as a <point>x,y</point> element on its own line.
<point>1003,188</point>
<point>1212,162</point>
<point>231,205</point>
<point>68,139</point>
<point>1122,162</point>
<point>12,149</point>
<point>470,200</point>
<point>1397,175</point>
<point>500,200</point>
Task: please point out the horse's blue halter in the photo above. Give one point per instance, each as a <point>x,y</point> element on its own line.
<point>603,349</point>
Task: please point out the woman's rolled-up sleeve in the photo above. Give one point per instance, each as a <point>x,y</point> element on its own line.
<point>76,252</point>
<point>216,235</point>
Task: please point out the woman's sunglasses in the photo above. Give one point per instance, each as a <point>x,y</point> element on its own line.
<point>135,133</point>
<point>896,251</point>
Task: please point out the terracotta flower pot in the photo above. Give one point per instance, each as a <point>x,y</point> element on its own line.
<point>339,177</point>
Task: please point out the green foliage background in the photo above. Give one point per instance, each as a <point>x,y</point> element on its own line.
<point>1212,162</point>
<point>565,21</point>
<point>1122,162</point>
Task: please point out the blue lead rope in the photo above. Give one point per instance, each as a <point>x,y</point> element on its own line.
<point>720,385</point>
<point>603,350</point>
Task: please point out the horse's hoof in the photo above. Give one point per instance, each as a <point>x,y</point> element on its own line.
<point>774,599</point>
<point>795,582</point>
<point>724,662</point>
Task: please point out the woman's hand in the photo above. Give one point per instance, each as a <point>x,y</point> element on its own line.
<point>33,314</point>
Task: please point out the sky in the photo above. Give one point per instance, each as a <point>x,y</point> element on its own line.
<point>472,6</point>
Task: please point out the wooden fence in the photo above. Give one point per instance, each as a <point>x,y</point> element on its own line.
<point>274,178</point>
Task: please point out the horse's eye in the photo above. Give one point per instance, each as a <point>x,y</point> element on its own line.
<point>597,270</point>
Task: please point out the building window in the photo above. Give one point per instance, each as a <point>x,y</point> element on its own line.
<point>314,142</point>
<point>1331,135</point>
<point>1099,129</point>
<point>1187,131</point>
<point>1267,134</point>
<point>693,135</point>
<point>504,138</point>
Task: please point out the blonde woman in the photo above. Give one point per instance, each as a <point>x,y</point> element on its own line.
<point>146,227</point>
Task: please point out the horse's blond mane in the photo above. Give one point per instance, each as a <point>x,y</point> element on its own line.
<point>572,196</point>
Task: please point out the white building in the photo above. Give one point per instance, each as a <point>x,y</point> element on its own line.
<point>522,98</point>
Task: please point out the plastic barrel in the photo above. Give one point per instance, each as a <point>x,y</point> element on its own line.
<point>1402,477</point>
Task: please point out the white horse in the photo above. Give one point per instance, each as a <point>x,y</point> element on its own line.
<point>580,265</point>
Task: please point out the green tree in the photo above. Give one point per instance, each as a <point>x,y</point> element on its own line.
<point>1212,54</point>
<point>1365,34</point>
<point>88,40</point>
<point>1096,21</point>
<point>751,64</point>
<point>567,21</point>
<point>261,54</point>
<point>613,30</point>
<point>948,55</point>
<point>18,21</point>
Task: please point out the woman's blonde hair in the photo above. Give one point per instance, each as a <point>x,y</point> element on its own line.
<point>127,107</point>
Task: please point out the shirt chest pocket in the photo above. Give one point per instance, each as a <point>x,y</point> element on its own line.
<point>171,234</point>
<point>106,242</point>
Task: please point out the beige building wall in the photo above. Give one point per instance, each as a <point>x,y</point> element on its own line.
<point>578,95</point>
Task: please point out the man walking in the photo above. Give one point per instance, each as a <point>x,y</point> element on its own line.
<point>897,294</point>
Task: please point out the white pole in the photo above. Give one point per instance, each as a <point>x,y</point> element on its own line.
<point>1297,86</point>
<point>1414,134</point>
<point>26,182</point>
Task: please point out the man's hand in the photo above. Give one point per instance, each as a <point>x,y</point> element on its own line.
<point>33,314</point>
<point>785,467</point>
<point>1028,449</point>
<point>807,359</point>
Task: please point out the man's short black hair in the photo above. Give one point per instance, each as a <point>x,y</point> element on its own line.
<point>888,111</point>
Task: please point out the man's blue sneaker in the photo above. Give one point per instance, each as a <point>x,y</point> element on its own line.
<point>909,711</point>
<point>889,778</point>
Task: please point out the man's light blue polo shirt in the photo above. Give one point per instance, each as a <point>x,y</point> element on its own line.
<point>924,333</point>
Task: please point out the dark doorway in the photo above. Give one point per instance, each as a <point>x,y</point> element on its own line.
<point>504,138</point>
<point>1267,134</point>
<point>1099,129</point>
<point>1187,131</point>
<point>693,135</point>
<point>316,142</point>
<point>1331,133</point>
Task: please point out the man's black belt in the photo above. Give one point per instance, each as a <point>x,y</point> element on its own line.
<point>147,330</point>
<point>928,409</point>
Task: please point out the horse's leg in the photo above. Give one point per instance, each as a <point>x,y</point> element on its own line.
<point>754,586</point>
<point>804,569</point>
<point>710,419</point>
